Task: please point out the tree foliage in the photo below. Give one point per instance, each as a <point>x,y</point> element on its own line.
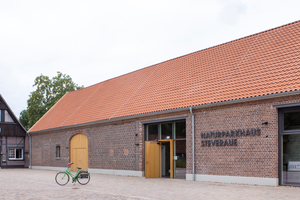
<point>24,119</point>
<point>48,92</point>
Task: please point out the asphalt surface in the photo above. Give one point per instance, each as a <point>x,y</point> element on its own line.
<point>40,184</point>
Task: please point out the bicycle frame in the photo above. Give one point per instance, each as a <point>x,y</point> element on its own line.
<point>81,176</point>
<point>74,177</point>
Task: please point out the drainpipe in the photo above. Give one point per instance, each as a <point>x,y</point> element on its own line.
<point>30,154</point>
<point>193,141</point>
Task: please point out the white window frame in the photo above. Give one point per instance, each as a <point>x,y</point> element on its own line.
<point>12,152</point>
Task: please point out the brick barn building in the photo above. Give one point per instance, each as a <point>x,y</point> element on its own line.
<point>229,113</point>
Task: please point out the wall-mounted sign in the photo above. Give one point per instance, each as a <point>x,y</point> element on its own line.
<point>227,138</point>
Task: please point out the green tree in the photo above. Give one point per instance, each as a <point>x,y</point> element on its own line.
<point>24,119</point>
<point>48,92</point>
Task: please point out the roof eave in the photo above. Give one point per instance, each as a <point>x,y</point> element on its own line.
<point>242,100</point>
<point>48,111</point>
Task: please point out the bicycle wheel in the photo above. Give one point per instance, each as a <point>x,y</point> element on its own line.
<point>83,178</point>
<point>62,178</point>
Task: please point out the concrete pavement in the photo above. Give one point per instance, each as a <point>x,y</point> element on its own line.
<point>40,184</point>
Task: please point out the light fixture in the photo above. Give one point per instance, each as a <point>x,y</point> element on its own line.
<point>265,123</point>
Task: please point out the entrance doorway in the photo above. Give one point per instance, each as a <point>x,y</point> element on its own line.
<point>79,152</point>
<point>165,160</point>
<point>165,149</point>
<point>289,145</point>
<point>159,159</point>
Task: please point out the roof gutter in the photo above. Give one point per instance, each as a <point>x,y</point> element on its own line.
<point>243,100</point>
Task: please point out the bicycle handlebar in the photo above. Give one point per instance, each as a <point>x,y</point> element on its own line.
<point>69,164</point>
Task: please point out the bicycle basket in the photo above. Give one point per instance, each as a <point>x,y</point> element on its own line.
<point>84,175</point>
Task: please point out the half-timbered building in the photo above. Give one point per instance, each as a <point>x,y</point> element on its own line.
<point>13,140</point>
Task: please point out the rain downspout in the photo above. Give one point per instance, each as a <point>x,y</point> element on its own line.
<point>193,141</point>
<point>30,154</point>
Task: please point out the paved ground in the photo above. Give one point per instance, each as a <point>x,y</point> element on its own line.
<point>40,184</point>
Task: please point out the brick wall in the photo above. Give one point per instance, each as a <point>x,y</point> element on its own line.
<point>253,156</point>
<point>112,145</point>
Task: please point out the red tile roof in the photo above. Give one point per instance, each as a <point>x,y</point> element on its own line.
<point>260,64</point>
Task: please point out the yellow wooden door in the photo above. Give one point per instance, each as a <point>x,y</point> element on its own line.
<point>152,159</point>
<point>79,152</point>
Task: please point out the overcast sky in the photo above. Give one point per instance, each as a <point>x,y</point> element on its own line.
<point>93,41</point>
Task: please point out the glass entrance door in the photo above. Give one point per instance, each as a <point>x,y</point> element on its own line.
<point>291,159</point>
<point>289,140</point>
<point>172,139</point>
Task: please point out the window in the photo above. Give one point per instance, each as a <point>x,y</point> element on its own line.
<point>152,132</point>
<point>166,131</point>
<point>57,151</point>
<point>289,146</point>
<point>291,121</point>
<point>7,117</point>
<point>15,154</point>
<point>170,130</point>
<point>180,132</point>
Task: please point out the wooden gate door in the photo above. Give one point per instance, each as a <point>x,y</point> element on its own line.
<point>79,152</point>
<point>152,159</point>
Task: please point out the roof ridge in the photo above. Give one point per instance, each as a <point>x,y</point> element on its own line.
<point>252,35</point>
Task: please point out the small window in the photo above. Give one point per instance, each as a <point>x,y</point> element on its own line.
<point>166,131</point>
<point>292,121</point>
<point>15,154</point>
<point>57,151</point>
<point>7,117</point>
<point>152,132</point>
<point>180,130</point>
